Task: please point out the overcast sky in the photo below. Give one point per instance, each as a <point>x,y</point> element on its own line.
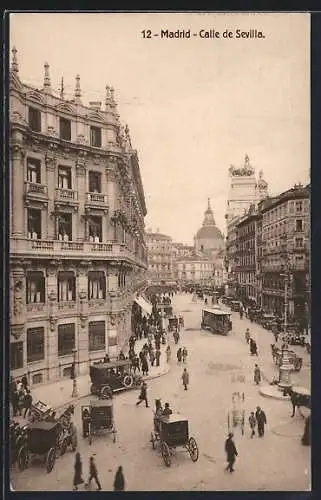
<point>193,106</point>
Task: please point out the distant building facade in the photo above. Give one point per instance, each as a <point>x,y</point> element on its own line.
<point>160,257</point>
<point>285,252</point>
<point>77,239</point>
<point>245,191</point>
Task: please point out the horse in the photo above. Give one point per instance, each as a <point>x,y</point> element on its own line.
<point>298,400</point>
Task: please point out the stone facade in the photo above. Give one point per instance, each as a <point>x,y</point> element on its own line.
<point>245,190</point>
<point>285,252</point>
<point>77,244</point>
<point>160,257</point>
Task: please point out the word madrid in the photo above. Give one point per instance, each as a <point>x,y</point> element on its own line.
<point>212,33</point>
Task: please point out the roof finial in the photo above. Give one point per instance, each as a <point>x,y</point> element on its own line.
<point>14,64</point>
<point>112,95</point>
<point>208,203</point>
<point>62,89</point>
<point>46,82</point>
<point>77,90</point>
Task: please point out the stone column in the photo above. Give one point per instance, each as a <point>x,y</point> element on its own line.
<point>17,209</point>
<point>82,342</point>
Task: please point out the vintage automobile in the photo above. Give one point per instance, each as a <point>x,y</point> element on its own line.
<point>97,418</point>
<point>42,439</point>
<point>115,376</point>
<point>294,359</point>
<point>171,432</point>
<point>268,321</point>
<point>235,305</point>
<point>216,320</point>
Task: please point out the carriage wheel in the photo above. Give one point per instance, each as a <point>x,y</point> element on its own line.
<point>23,458</point>
<point>153,440</point>
<point>193,449</point>
<point>128,381</point>
<point>50,459</point>
<point>166,454</point>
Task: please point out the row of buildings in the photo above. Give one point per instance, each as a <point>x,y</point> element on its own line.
<point>268,245</point>
<point>77,237</point>
<point>170,262</point>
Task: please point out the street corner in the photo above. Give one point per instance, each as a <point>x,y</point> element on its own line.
<point>273,391</point>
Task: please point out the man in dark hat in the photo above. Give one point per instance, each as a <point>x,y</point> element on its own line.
<point>231,452</point>
<point>167,410</point>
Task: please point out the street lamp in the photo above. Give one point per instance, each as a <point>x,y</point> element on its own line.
<point>73,375</point>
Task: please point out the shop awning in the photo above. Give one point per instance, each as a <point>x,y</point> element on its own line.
<point>146,306</point>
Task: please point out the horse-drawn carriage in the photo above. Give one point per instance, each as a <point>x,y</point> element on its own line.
<point>98,418</point>
<point>42,439</point>
<point>294,359</point>
<point>171,432</point>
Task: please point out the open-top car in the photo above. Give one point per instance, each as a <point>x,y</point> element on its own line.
<point>107,378</point>
<point>171,432</point>
<point>43,438</point>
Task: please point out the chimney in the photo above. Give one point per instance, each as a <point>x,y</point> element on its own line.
<point>157,230</point>
<point>95,105</point>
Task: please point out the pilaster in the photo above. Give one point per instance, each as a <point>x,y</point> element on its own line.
<point>83,340</point>
<point>17,182</point>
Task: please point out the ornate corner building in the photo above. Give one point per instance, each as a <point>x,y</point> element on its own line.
<point>77,238</point>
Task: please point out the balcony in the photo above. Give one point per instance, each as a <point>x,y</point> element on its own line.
<point>35,191</point>
<point>96,200</point>
<point>72,249</point>
<point>36,309</point>
<point>66,196</point>
<point>68,305</point>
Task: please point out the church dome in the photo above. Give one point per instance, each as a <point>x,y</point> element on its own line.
<point>209,231</point>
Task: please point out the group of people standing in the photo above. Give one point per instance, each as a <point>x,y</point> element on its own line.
<point>20,396</point>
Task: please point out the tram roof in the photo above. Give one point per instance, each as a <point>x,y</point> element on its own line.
<point>216,311</point>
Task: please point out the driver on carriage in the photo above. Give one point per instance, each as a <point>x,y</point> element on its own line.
<point>167,410</point>
<point>158,413</point>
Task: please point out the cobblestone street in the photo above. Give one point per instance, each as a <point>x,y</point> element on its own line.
<point>217,366</point>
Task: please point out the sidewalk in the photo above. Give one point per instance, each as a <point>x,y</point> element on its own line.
<point>58,394</point>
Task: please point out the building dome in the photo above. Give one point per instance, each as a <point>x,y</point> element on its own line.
<point>209,232</point>
<point>209,236</point>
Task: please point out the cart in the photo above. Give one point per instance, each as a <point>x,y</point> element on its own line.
<point>236,416</point>
<point>98,418</point>
<point>173,324</point>
<point>171,432</point>
<point>107,378</point>
<point>42,440</point>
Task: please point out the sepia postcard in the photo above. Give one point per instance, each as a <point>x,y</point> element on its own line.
<point>160,303</point>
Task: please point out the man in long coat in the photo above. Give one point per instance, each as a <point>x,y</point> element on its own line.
<point>231,452</point>
<point>261,421</point>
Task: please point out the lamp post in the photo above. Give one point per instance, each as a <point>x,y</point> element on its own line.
<point>73,375</point>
